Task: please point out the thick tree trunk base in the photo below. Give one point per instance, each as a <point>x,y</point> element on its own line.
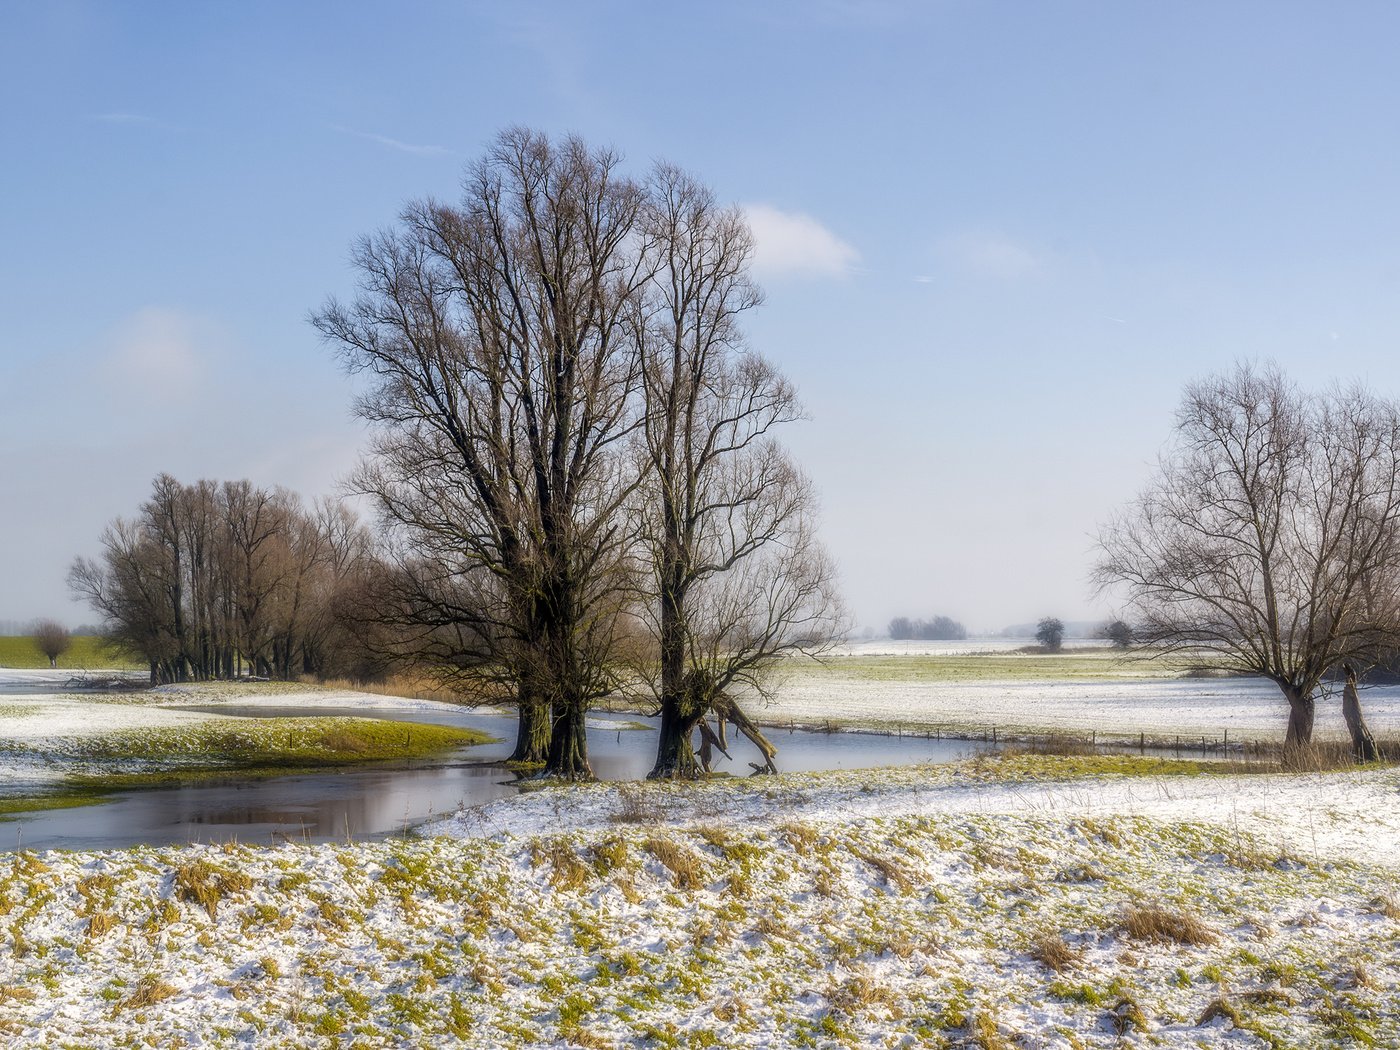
<point>531,736</point>
<point>675,754</point>
<point>1301,713</point>
<point>568,746</point>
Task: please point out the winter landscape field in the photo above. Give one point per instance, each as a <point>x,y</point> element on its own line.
<point>1006,899</point>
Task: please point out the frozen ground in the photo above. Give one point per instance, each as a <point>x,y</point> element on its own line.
<point>936,907</point>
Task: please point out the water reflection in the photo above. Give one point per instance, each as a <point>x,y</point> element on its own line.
<point>369,802</point>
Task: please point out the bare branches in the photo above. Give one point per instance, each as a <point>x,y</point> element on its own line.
<point>1269,541</point>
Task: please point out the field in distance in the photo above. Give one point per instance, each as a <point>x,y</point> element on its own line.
<point>87,652</point>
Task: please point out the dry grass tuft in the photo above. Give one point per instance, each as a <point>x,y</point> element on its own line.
<point>569,871</point>
<point>1218,1008</point>
<point>200,882</point>
<point>681,862</point>
<point>893,872</point>
<point>149,991</point>
<point>100,923</point>
<point>1053,952</point>
<point>1151,923</point>
<point>635,806</point>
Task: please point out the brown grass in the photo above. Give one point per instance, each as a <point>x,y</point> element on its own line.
<point>891,871</point>
<point>569,871</point>
<point>681,862</point>
<point>200,882</point>
<point>1165,925</point>
<point>635,806</point>
<point>1053,952</point>
<point>149,991</point>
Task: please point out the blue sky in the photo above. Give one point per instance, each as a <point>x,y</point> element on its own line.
<point>996,239</point>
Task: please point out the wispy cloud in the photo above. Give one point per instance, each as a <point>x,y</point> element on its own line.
<point>156,351</point>
<point>989,255</point>
<point>794,244</point>
<point>124,118</point>
<point>396,144</point>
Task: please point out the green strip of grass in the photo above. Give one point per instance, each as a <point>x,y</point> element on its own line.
<point>243,747</point>
<point>86,651</point>
<point>67,797</point>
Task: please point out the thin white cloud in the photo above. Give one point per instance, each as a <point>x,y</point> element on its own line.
<point>794,244</point>
<point>124,118</point>
<point>989,255</point>
<point>397,144</point>
<point>157,351</point>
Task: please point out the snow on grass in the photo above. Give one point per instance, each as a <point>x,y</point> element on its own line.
<point>975,905</point>
<point>1161,708</point>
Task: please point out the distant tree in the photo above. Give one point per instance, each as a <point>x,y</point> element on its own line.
<point>1119,633</point>
<point>52,639</point>
<point>901,628</point>
<point>941,628</point>
<point>1050,632</point>
<point>1269,541</point>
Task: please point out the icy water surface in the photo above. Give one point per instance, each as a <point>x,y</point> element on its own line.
<point>378,800</point>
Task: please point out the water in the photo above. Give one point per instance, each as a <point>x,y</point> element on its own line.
<point>386,798</point>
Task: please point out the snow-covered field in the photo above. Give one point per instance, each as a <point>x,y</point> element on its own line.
<point>1244,708</point>
<point>927,907</point>
<point>1001,902</point>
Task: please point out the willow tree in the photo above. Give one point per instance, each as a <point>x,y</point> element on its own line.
<point>1269,541</point>
<point>496,333</point>
<point>738,579</point>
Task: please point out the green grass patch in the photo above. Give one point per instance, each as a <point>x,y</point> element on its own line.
<point>64,798</point>
<point>1016,765</point>
<point>86,651</point>
<point>245,746</point>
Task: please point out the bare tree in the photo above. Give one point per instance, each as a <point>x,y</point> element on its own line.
<point>738,580</point>
<point>210,577</point>
<point>496,333</point>
<point>1267,542</point>
<point>51,638</point>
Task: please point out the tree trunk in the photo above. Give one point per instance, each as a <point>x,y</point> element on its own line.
<point>568,743</point>
<point>1363,745</point>
<point>532,736</point>
<point>1301,709</point>
<point>675,755</point>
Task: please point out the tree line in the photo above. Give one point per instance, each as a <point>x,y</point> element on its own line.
<point>937,628</point>
<point>215,580</point>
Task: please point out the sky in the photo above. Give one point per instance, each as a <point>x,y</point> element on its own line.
<point>996,240</point>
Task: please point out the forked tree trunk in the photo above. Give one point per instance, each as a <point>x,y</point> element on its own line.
<point>568,744</point>
<point>532,733</point>
<point>1301,711</point>
<point>1363,745</point>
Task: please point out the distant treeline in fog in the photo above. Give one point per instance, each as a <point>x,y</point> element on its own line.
<point>936,629</point>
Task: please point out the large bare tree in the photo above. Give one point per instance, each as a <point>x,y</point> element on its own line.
<point>496,333</point>
<point>1267,542</point>
<point>738,580</point>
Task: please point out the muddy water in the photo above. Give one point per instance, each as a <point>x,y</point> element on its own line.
<point>386,798</point>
